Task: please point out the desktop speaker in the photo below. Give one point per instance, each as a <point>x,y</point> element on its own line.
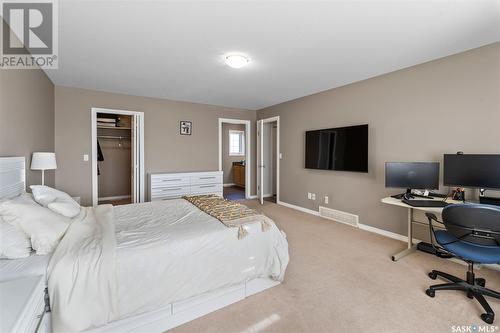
<point>489,201</point>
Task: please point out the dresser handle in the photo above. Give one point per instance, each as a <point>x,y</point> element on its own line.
<point>207,186</point>
<point>171,180</point>
<point>171,189</point>
<point>207,177</point>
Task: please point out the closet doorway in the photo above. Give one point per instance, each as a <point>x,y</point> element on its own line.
<point>117,156</point>
<point>268,159</point>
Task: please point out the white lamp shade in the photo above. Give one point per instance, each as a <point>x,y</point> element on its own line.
<point>43,161</point>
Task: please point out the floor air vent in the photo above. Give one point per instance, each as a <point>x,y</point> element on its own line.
<point>339,216</point>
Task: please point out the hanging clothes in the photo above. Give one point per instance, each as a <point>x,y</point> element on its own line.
<point>100,157</point>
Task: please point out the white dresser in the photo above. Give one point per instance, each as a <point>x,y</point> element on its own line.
<point>175,185</point>
<point>22,305</point>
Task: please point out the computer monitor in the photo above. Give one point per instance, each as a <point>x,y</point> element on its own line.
<point>412,175</point>
<point>472,170</point>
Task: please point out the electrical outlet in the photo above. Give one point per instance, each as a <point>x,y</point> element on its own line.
<point>313,196</point>
<point>281,156</point>
<point>326,199</point>
<point>85,157</point>
<point>309,195</point>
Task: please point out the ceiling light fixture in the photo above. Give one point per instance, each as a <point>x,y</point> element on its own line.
<point>236,60</point>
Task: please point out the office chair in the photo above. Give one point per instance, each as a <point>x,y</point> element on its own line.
<point>472,234</point>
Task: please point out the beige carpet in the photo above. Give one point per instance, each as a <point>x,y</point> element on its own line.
<point>341,279</point>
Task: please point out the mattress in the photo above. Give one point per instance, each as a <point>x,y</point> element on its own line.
<point>30,266</point>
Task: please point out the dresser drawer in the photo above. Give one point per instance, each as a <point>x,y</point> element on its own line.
<point>207,178</point>
<point>169,192</point>
<point>158,181</point>
<point>206,189</point>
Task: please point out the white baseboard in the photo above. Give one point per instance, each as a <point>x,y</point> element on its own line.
<point>386,233</point>
<point>117,197</point>
<point>302,209</point>
<point>229,184</point>
<point>252,197</point>
<point>365,227</point>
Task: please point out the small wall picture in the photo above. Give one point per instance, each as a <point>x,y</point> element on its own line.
<point>186,127</point>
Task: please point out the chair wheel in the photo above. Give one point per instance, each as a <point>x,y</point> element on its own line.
<point>481,282</point>
<point>470,294</point>
<point>433,275</point>
<point>430,293</point>
<point>488,318</point>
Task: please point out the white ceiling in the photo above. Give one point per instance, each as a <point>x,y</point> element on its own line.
<point>174,49</point>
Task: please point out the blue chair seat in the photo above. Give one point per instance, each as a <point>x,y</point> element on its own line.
<point>468,251</point>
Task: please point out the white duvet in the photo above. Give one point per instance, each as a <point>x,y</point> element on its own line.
<point>116,262</point>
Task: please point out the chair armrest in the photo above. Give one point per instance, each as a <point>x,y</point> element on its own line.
<point>432,217</point>
<point>437,247</point>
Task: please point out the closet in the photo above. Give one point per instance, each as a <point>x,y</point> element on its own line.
<point>114,158</point>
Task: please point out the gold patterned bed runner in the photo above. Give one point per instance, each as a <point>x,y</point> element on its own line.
<point>230,213</point>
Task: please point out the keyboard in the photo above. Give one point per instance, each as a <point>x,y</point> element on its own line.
<point>425,203</point>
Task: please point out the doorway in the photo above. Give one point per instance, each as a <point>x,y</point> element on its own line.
<point>268,159</point>
<point>234,157</point>
<point>117,156</point>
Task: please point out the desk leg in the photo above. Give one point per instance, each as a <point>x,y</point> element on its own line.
<point>411,247</point>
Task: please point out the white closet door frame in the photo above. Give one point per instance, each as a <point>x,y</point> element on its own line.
<point>260,157</point>
<point>137,140</point>
<point>260,163</point>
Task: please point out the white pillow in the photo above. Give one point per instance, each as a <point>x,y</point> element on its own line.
<point>64,208</point>
<point>45,196</point>
<point>44,227</point>
<point>14,243</point>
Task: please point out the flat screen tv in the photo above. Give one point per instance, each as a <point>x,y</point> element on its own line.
<point>342,149</point>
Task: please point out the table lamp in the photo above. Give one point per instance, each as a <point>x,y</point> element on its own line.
<point>43,161</point>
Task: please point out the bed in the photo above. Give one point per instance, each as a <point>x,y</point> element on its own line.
<point>153,266</point>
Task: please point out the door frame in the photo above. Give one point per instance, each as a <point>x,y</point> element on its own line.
<point>260,144</point>
<point>248,150</point>
<point>139,136</point>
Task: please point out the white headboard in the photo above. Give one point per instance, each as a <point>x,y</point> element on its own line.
<point>12,176</point>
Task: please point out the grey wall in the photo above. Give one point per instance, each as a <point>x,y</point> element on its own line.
<point>27,117</point>
<point>165,149</point>
<point>415,114</point>
<point>227,161</point>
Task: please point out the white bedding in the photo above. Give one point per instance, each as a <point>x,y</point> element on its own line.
<point>150,255</point>
<point>30,266</point>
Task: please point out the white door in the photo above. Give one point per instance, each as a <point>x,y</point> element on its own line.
<point>260,161</point>
<point>136,158</point>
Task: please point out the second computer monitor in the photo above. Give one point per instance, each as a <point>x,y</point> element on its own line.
<point>412,175</point>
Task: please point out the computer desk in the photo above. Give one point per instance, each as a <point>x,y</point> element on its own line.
<point>397,202</point>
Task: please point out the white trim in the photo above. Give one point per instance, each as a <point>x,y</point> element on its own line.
<point>386,233</point>
<point>302,209</point>
<point>252,197</point>
<point>140,138</point>
<point>278,152</point>
<point>116,197</point>
<point>365,227</point>
<point>248,135</point>
<point>229,184</point>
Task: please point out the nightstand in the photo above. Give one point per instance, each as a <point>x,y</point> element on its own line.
<point>22,305</point>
